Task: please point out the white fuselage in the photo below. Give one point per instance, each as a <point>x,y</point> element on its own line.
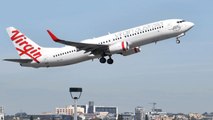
<point>136,37</point>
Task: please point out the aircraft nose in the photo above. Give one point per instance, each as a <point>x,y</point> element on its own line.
<point>190,24</point>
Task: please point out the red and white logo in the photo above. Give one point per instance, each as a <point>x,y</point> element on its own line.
<point>25,47</point>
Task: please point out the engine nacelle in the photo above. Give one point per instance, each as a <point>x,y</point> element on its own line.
<point>119,47</point>
<point>131,51</point>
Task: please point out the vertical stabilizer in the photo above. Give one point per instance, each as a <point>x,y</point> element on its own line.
<point>27,49</point>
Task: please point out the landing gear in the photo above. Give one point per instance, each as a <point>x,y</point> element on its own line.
<point>177,38</point>
<point>178,41</point>
<point>110,61</point>
<point>103,60</point>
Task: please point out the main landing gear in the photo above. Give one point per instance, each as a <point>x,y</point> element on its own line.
<point>103,60</point>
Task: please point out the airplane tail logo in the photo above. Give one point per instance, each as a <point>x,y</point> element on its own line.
<point>27,49</point>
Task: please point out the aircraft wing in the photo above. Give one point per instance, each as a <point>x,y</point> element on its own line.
<point>19,60</point>
<point>94,48</point>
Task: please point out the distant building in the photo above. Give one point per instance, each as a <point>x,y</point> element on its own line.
<point>1,110</point>
<point>139,113</point>
<point>109,109</point>
<point>69,110</point>
<point>21,114</point>
<point>112,111</point>
<point>91,107</point>
<point>1,113</point>
<point>90,111</point>
<point>39,117</point>
<point>157,110</point>
<point>85,108</point>
<point>181,116</point>
<point>208,116</point>
<point>157,114</point>
<point>195,116</point>
<point>126,116</point>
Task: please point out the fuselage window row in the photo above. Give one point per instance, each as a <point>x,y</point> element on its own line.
<point>60,54</point>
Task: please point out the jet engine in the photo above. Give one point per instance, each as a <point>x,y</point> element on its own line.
<point>119,47</point>
<point>131,51</point>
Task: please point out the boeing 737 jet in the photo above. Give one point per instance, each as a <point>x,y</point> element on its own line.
<point>126,42</point>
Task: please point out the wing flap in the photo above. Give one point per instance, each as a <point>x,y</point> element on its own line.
<point>19,60</point>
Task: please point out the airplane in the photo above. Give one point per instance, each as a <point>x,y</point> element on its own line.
<point>126,42</point>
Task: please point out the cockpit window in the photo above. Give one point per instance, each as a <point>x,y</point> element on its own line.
<point>180,21</point>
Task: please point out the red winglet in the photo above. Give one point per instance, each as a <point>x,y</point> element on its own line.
<point>53,36</point>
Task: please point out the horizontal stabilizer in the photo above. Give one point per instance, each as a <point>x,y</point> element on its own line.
<point>19,60</point>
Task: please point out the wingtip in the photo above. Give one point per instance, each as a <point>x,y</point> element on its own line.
<point>53,36</point>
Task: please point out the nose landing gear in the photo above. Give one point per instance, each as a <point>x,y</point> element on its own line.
<point>177,38</point>
<point>177,41</point>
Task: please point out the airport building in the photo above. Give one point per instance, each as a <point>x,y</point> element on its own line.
<point>1,113</point>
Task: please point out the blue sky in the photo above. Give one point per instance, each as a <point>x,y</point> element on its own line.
<point>177,77</point>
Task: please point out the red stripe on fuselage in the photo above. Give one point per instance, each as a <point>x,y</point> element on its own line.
<point>123,46</point>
